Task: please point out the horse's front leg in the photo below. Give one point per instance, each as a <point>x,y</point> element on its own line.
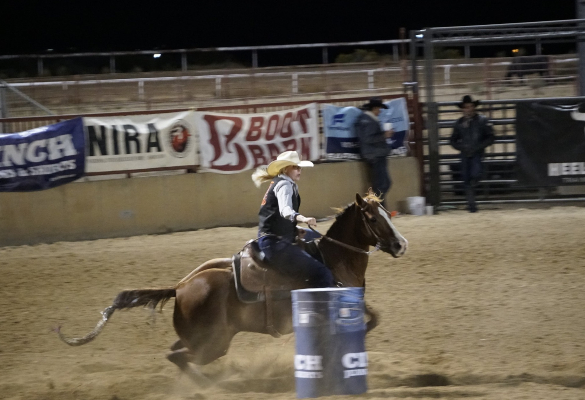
<point>372,318</point>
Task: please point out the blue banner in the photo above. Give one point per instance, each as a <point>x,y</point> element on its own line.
<point>397,115</point>
<point>338,123</point>
<point>341,139</point>
<point>42,158</point>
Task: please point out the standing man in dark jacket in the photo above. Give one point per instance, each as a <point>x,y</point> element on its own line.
<point>472,133</point>
<point>373,147</point>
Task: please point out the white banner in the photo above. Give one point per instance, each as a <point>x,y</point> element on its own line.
<point>232,143</point>
<point>140,142</point>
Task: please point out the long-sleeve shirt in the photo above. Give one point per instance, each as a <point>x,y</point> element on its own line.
<point>284,190</point>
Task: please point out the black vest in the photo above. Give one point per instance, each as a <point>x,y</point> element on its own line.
<point>271,222</point>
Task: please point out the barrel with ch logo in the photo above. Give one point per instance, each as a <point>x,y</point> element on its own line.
<point>330,351</point>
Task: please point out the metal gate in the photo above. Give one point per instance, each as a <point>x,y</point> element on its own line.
<point>499,183</point>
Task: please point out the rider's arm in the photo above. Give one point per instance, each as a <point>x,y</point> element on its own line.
<point>284,193</point>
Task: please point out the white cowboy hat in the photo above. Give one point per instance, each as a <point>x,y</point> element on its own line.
<point>284,160</point>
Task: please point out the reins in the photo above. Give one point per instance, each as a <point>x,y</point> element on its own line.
<point>350,247</point>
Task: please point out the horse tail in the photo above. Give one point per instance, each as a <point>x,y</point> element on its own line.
<point>125,299</point>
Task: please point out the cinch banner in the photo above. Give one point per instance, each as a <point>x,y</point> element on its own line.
<point>140,142</point>
<point>550,144</point>
<point>232,143</point>
<point>42,158</point>
<point>397,114</point>
<point>342,141</point>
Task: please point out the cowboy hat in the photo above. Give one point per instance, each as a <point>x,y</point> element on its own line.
<point>374,102</point>
<point>466,100</point>
<point>284,160</point>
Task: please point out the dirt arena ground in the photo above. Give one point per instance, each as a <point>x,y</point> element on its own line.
<point>483,306</point>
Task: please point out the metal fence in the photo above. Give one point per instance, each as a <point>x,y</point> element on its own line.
<point>453,78</point>
<point>182,59</point>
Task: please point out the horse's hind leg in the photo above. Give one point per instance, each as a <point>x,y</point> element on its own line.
<point>201,320</point>
<point>181,358</point>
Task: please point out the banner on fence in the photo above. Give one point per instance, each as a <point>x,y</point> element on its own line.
<point>42,158</point>
<point>140,142</point>
<point>397,115</point>
<point>341,139</point>
<point>550,144</point>
<point>232,143</point>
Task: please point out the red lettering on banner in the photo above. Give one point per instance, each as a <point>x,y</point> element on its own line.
<point>285,130</point>
<point>215,142</point>
<point>290,145</point>
<point>293,145</point>
<point>262,154</point>
<point>302,116</point>
<point>272,128</point>
<point>273,150</point>
<point>305,148</point>
<point>258,154</point>
<point>255,130</point>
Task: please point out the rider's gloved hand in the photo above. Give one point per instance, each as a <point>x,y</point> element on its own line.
<point>307,220</point>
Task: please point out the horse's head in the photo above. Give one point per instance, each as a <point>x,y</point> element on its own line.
<point>378,228</point>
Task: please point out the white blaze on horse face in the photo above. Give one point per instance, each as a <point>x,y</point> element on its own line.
<point>403,242</point>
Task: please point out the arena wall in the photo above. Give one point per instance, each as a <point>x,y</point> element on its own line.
<point>161,204</point>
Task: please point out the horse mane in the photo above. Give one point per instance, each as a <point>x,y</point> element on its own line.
<point>370,196</point>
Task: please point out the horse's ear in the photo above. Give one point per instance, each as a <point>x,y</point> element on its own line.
<point>359,201</point>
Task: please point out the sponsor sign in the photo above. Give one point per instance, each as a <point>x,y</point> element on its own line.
<point>341,139</point>
<point>140,142</point>
<point>232,143</point>
<point>308,366</point>
<point>550,144</point>
<point>397,115</point>
<point>42,158</point>
<point>355,364</point>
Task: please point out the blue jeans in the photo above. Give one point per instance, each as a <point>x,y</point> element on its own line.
<point>471,172</point>
<point>292,261</point>
<point>310,234</point>
<point>380,179</point>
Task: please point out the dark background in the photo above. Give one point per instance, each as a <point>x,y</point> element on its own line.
<point>34,27</point>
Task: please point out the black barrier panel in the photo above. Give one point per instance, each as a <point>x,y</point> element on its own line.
<point>550,144</point>
<point>502,180</point>
<point>330,331</point>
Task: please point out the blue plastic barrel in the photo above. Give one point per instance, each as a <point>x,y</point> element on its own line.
<point>330,350</point>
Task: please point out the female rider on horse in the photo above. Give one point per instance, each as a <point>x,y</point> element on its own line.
<point>279,214</point>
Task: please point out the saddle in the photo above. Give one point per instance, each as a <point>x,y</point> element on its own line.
<point>256,280</point>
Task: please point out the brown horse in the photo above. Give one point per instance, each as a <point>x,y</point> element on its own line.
<point>208,312</point>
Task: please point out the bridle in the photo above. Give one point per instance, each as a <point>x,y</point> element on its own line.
<point>356,249</point>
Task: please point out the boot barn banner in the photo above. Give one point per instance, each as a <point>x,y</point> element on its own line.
<point>42,158</point>
<point>231,143</point>
<point>140,142</point>
<point>550,144</point>
<point>341,139</point>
